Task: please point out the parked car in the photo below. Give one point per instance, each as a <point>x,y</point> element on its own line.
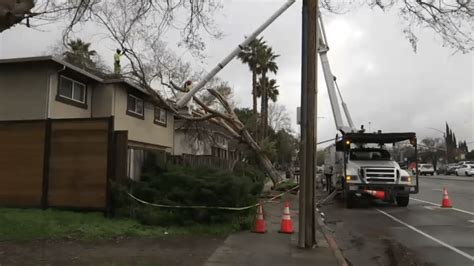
<point>426,169</point>
<point>451,169</point>
<point>442,169</point>
<point>465,169</point>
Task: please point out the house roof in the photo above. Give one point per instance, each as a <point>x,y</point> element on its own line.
<point>72,67</point>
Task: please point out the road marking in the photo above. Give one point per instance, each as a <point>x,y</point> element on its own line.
<point>431,208</point>
<point>460,252</point>
<point>437,189</point>
<point>435,204</point>
<point>471,221</point>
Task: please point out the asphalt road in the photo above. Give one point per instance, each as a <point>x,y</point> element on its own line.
<point>376,233</point>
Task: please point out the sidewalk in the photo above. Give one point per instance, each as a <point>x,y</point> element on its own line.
<point>272,248</point>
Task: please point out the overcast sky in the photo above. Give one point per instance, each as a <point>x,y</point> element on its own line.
<point>382,80</point>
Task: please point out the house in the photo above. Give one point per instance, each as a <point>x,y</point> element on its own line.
<point>45,87</point>
<point>202,138</point>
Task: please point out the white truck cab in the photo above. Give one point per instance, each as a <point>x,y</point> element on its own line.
<point>358,164</point>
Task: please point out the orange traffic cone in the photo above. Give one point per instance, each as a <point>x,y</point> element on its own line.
<point>286,225</point>
<point>446,203</point>
<point>259,222</point>
<point>379,194</point>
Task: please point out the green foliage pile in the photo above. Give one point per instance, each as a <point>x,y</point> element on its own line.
<point>182,186</point>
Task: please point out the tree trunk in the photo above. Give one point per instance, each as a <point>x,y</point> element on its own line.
<point>263,117</point>
<point>236,128</point>
<point>263,159</point>
<point>265,121</point>
<point>254,98</point>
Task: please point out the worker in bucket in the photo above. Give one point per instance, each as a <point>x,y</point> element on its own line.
<point>187,88</point>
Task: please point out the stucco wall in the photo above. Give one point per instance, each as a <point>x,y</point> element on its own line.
<point>141,130</point>
<point>102,100</point>
<point>23,91</point>
<point>59,109</point>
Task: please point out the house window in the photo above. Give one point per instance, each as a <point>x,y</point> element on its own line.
<point>160,116</point>
<point>71,91</point>
<point>135,106</point>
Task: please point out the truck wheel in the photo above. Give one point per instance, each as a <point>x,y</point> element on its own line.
<point>402,201</point>
<point>349,200</point>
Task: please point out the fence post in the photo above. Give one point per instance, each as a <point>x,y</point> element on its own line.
<point>46,157</point>
<point>110,167</point>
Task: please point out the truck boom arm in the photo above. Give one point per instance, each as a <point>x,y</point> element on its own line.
<point>233,54</point>
<point>331,84</point>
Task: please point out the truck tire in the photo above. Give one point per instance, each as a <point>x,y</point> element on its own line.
<point>349,201</point>
<point>402,201</point>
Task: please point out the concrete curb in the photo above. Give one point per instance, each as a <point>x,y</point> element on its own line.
<point>469,179</point>
<point>341,260</point>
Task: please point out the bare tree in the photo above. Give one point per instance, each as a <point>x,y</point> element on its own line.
<point>150,62</point>
<point>278,117</point>
<point>190,17</point>
<point>452,20</point>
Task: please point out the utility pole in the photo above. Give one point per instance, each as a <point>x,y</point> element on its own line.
<point>307,222</point>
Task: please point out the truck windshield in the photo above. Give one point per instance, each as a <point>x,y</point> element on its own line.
<point>369,154</point>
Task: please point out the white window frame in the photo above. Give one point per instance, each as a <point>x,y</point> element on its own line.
<point>136,100</point>
<point>157,119</point>
<point>72,89</point>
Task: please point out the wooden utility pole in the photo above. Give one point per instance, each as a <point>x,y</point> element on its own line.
<point>307,208</point>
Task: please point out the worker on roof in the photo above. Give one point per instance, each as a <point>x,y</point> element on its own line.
<point>117,55</point>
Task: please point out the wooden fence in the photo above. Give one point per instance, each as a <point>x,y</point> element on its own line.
<point>21,163</point>
<point>56,163</point>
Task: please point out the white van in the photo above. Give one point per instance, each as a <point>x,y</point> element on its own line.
<point>426,169</point>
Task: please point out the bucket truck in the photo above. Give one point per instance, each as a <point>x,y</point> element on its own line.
<point>359,164</point>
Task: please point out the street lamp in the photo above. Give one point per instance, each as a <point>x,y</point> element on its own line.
<point>445,142</point>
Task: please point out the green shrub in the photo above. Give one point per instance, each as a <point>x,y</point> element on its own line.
<point>182,186</point>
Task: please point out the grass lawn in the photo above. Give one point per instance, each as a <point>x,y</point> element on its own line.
<point>31,224</point>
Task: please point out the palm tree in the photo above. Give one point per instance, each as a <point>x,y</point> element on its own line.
<point>248,56</point>
<point>265,63</point>
<point>78,54</point>
<point>271,89</point>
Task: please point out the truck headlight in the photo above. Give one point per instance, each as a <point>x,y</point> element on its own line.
<point>352,177</point>
<point>405,179</point>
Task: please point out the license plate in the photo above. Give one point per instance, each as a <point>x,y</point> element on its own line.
<point>353,187</point>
